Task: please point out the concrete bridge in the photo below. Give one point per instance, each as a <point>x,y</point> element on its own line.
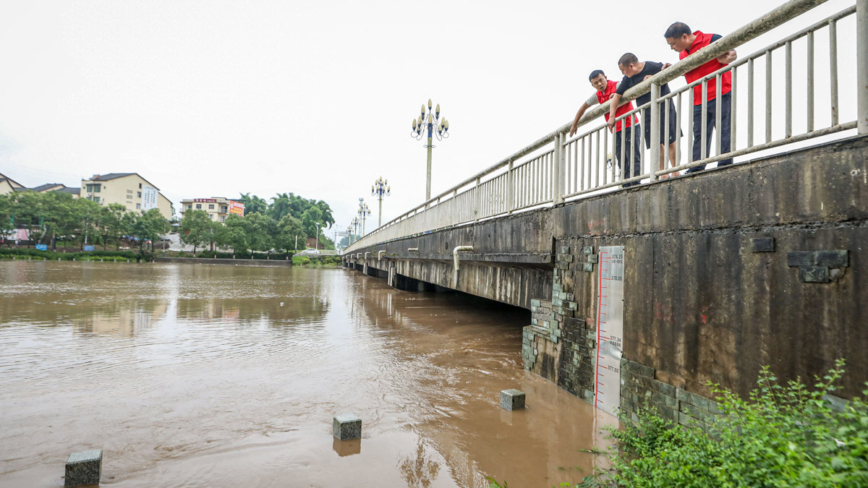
<point>758,263</point>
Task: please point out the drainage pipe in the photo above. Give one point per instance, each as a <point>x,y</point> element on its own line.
<point>455,257</point>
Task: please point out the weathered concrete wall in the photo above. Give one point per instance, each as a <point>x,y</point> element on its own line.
<point>701,305</point>
<point>706,298</point>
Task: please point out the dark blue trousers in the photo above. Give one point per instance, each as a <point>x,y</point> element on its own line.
<point>632,163</point>
<point>725,106</point>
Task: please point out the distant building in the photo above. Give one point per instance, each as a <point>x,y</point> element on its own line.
<point>75,192</point>
<point>218,208</point>
<point>129,189</point>
<point>8,185</point>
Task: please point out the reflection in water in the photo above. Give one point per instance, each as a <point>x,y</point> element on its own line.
<point>226,376</point>
<point>419,471</point>
<point>347,447</point>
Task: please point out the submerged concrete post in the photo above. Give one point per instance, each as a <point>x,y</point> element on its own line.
<point>347,426</point>
<point>511,399</point>
<point>83,468</point>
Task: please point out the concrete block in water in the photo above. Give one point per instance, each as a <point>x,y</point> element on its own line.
<point>347,426</point>
<point>83,468</point>
<point>511,399</point>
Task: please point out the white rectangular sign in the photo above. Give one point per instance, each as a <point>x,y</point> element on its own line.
<point>149,198</point>
<point>610,329</point>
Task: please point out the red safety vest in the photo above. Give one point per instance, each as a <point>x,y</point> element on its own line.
<point>700,42</point>
<point>603,97</point>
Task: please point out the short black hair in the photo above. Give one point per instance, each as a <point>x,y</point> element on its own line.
<point>676,30</point>
<point>627,59</point>
<point>595,73</point>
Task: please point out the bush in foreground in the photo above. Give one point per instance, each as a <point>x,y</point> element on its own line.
<point>780,436</point>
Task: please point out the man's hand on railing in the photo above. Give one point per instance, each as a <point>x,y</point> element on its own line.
<point>665,65</point>
<point>727,57</point>
<point>611,123</point>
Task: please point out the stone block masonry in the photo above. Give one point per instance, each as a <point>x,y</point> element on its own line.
<point>566,343</point>
<point>640,389</point>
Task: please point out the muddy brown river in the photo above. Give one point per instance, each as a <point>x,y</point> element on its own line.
<point>229,376</point>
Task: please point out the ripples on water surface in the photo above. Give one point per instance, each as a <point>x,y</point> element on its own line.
<point>228,376</point>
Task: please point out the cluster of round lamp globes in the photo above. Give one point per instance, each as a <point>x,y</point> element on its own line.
<point>433,117</point>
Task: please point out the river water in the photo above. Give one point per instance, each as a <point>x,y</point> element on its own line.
<point>229,376</point>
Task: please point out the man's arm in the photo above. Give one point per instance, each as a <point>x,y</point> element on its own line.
<point>728,57</point>
<point>579,114</point>
<point>616,99</point>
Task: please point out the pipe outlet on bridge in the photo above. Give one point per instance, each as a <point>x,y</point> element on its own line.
<point>380,255</point>
<point>455,257</point>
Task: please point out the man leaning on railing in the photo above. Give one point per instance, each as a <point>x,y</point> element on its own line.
<point>634,74</point>
<point>681,39</point>
<point>605,90</point>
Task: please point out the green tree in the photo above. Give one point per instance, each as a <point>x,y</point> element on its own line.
<point>327,217</point>
<point>259,229</point>
<point>253,204</point>
<point>234,234</point>
<point>115,223</point>
<point>289,229</point>
<point>195,228</point>
<point>149,227</point>
<point>309,219</point>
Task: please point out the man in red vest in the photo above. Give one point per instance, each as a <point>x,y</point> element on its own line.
<point>632,152</point>
<point>681,39</point>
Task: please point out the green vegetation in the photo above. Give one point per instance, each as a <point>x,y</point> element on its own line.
<point>283,225</point>
<point>54,216</point>
<point>24,254</point>
<point>322,261</point>
<point>780,436</point>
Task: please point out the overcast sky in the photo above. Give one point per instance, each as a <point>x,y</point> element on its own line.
<point>213,98</point>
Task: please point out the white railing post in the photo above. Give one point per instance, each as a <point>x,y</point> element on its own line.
<point>862,65</point>
<point>562,168</point>
<point>655,134</point>
<point>477,200</point>
<point>553,181</point>
<point>510,203</point>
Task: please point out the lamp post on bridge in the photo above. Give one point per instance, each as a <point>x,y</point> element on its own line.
<point>381,189</point>
<point>424,124</point>
<point>364,211</point>
<point>355,225</point>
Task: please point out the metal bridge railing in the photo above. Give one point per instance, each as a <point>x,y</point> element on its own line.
<point>555,168</point>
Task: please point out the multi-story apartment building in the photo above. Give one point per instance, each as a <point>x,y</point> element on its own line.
<point>128,189</point>
<point>218,208</point>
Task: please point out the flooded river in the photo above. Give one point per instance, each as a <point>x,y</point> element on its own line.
<point>229,376</point>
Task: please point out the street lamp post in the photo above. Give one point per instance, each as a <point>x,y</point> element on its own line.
<point>316,243</point>
<point>349,234</point>
<point>381,189</point>
<point>364,211</point>
<point>425,123</point>
<point>355,223</point>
